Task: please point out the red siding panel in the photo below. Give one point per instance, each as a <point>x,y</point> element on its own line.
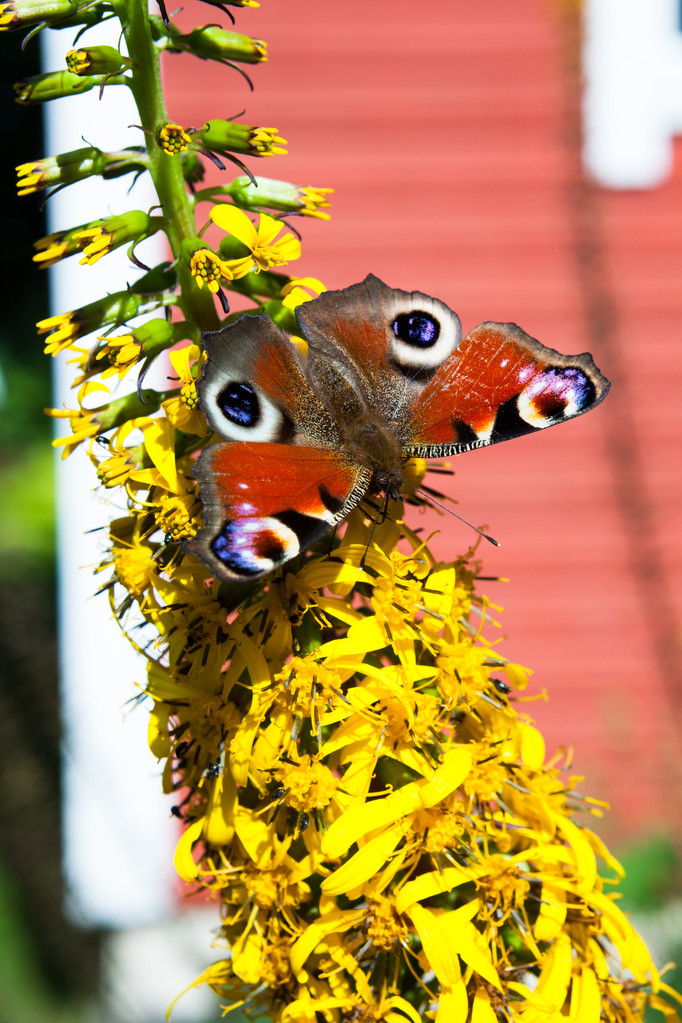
<point>441,128</point>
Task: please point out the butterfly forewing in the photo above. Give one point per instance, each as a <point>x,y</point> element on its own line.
<point>500,384</point>
<point>254,387</point>
<point>387,342</point>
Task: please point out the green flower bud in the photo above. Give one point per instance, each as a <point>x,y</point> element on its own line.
<point>210,42</point>
<point>226,136</point>
<point>160,278</point>
<point>65,328</point>
<point>96,60</point>
<point>97,238</point>
<point>231,248</point>
<point>192,168</point>
<point>278,195</point>
<point>118,354</point>
<point>23,13</point>
<point>75,166</point>
<point>267,284</point>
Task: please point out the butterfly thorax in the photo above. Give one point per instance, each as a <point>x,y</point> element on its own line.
<point>374,445</point>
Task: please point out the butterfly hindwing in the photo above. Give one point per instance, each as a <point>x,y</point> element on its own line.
<point>263,503</point>
<point>499,384</point>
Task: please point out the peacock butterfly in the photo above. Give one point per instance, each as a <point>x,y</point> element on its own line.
<point>386,376</point>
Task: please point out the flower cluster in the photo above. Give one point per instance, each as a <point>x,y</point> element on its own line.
<point>363,796</point>
<point>361,793</point>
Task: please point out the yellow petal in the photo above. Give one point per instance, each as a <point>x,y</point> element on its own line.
<point>436,882</point>
<point>235,222</point>
<point>532,747</point>
<point>367,862</point>
<point>440,954</point>
<point>183,861</point>
<point>180,360</point>
<point>157,731</point>
<point>552,914</point>
<point>585,863</point>
<point>219,820</point>
<point>268,228</point>
<point>453,1005</point>
<point>462,936</point>
<point>482,1010</point>
<point>304,946</point>
<point>585,998</point>
<point>555,977</point>
<point>159,438</point>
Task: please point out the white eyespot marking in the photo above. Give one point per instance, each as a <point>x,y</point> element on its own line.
<point>252,547</point>
<point>238,410</point>
<point>555,394</point>
<point>422,332</point>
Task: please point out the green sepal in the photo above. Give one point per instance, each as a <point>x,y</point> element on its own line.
<point>160,278</point>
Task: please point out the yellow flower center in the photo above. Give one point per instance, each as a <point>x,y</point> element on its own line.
<point>485,780</point>
<point>174,139</point>
<point>309,785</point>
<point>384,927</point>
<point>304,681</point>
<point>208,269</point>
<point>188,393</point>
<point>135,568</point>
<point>437,829</point>
<point>503,890</point>
<point>174,519</point>
<point>276,965</point>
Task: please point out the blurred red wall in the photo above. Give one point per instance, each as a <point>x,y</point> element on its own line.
<point>450,132</point>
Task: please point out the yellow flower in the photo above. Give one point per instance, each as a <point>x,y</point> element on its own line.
<point>183,411</point>
<point>208,269</point>
<point>173,139</point>
<point>83,423</point>
<point>267,250</point>
<point>96,239</point>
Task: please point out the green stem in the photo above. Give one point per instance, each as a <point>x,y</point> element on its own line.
<point>197,306</point>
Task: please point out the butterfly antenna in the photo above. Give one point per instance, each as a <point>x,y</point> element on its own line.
<point>432,500</point>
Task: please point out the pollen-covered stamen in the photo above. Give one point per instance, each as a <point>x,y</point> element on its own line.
<point>305,682</point>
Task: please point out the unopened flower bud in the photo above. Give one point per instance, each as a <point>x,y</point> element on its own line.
<point>96,60</point>
<point>226,136</point>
